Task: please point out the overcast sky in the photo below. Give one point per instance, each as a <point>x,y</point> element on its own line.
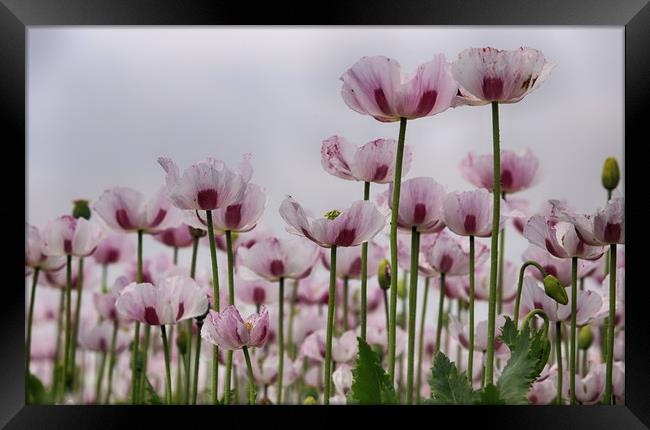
<point>104,103</point>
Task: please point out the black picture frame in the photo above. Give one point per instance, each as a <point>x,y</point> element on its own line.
<point>16,16</point>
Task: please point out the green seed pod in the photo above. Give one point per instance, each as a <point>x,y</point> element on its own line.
<point>333,214</point>
<point>81,209</point>
<point>401,289</point>
<point>383,274</point>
<point>196,232</point>
<point>611,174</point>
<point>310,400</point>
<point>585,337</point>
<point>555,290</point>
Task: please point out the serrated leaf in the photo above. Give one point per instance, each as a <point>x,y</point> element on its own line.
<point>509,333</point>
<point>370,383</point>
<point>449,387</point>
<point>490,395</point>
<point>36,394</point>
<point>519,373</point>
<point>151,397</point>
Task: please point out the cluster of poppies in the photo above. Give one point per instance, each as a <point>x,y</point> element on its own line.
<point>303,332</point>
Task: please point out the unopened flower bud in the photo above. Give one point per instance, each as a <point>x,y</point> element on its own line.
<point>81,209</point>
<point>401,288</point>
<point>585,337</point>
<point>555,290</point>
<point>197,232</point>
<point>310,400</point>
<point>611,175</point>
<point>383,274</point>
<point>333,214</point>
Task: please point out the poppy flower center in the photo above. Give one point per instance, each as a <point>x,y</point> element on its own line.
<point>345,237</point>
<point>492,88</point>
<point>249,326</point>
<point>207,199</point>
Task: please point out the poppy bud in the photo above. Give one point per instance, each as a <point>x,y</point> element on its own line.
<point>310,400</point>
<point>383,274</point>
<point>197,232</point>
<point>585,337</point>
<point>554,289</point>
<point>611,175</point>
<point>401,288</point>
<point>81,209</point>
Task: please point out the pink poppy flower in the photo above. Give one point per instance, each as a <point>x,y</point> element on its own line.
<point>606,226</point>
<point>313,292</point>
<point>344,347</point>
<point>446,255</point>
<point>57,279</point>
<point>559,238</point>
<point>174,299</point>
<point>469,213</point>
<point>348,260</point>
<point>542,392</point>
<point>519,170</point>
<point>274,258</point>
<point>177,237</point>
<point>460,332</point>
<point>206,185</point>
<point>67,235</point>
<point>376,86</point>
<point>482,284</point>
<point>229,331</point>
<point>486,75</point>
<point>520,212</point>
<point>359,223</point>
<point>404,254</point>
<point>420,205</point>
<point>372,162</point>
<point>35,256</point>
<point>558,267</point>
<point>113,249</point>
<point>105,301</point>
<point>342,378</point>
<point>313,346</point>
<point>241,216</point>
<point>125,209</point>
<point>99,337</point>
<point>257,292</point>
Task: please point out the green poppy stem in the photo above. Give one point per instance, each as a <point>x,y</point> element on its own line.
<point>413,291</point>
<point>346,293</point>
<point>68,317</point>
<point>231,301</point>
<point>502,240</point>
<point>215,286</point>
<point>188,352</point>
<point>521,284</point>
<point>100,379</point>
<point>418,379</point>
<point>494,257</point>
<point>393,250</point>
<point>364,273</point>
<point>28,345</point>
<point>387,317</point>
<point>611,322</point>
<point>197,356</point>
<point>292,315</point>
<point>77,314</point>
<point>111,362</point>
<point>135,365</point>
<point>572,350</point>
<point>330,326</point>
<point>470,357</point>
<point>251,378</point>
<point>278,394</point>
<point>558,347</point>
<point>168,375</point>
<point>441,301</point>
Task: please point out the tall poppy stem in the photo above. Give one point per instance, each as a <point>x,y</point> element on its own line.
<point>197,355</point>
<point>386,311</point>
<point>397,182</point>
<point>611,322</point>
<point>558,347</point>
<point>136,337</point>
<point>520,285</point>
<point>494,257</point>
<point>330,326</point>
<point>278,394</point>
<point>418,378</point>
<point>111,362</point>
<point>502,240</point>
<point>231,301</point>
<point>346,293</point>
<point>66,343</point>
<point>292,315</point>
<point>251,378</point>
<point>470,357</point>
<point>28,346</point>
<point>100,379</point>
<point>441,301</point>
<point>215,286</point>
<point>572,350</point>
<point>413,292</point>
<point>77,314</point>
<point>168,375</point>
<point>188,352</point>
<point>364,272</point>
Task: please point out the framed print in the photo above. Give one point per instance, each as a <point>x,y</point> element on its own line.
<point>370,207</point>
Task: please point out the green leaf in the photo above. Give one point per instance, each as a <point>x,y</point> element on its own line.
<point>490,395</point>
<point>522,367</point>
<point>151,397</point>
<point>370,383</point>
<point>449,387</point>
<point>35,391</point>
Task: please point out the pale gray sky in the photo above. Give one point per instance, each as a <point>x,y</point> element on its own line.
<point>104,103</point>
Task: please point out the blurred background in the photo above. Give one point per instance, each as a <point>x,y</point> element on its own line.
<point>105,103</point>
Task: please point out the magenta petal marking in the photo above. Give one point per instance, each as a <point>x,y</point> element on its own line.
<point>207,199</point>
<point>419,212</point>
<point>233,215</point>
<point>150,316</point>
<point>470,224</point>
<point>492,88</point>
<point>445,263</point>
<point>259,295</point>
<point>67,246</point>
<point>355,267</point>
<point>427,101</point>
<point>160,216</point>
<point>181,311</point>
<point>277,268</point>
<point>380,98</point>
<point>380,173</point>
<point>123,220</point>
<point>612,233</point>
<point>345,237</point>
<point>506,179</point>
